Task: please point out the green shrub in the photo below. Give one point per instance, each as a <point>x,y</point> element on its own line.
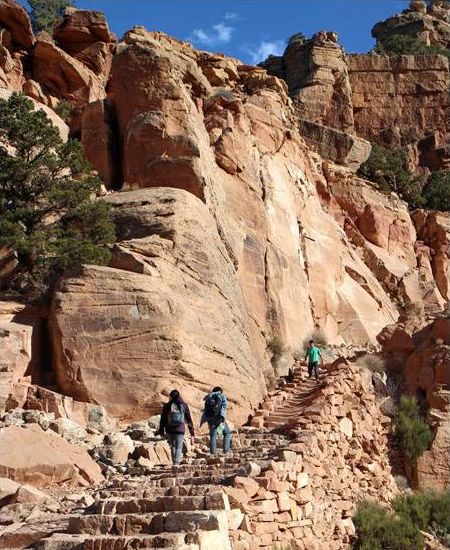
<point>388,168</point>
<point>428,511</point>
<point>48,211</point>
<point>378,530</point>
<point>402,44</point>
<point>297,38</point>
<point>64,109</point>
<point>413,433</point>
<point>437,191</point>
<point>45,14</point>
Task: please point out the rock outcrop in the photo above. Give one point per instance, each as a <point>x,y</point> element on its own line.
<point>422,358</point>
<point>382,88</point>
<point>15,20</point>
<point>30,455</point>
<point>316,72</point>
<point>428,23</point>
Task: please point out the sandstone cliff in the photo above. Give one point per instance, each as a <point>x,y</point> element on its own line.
<point>231,232</point>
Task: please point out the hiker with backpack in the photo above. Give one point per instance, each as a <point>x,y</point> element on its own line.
<point>313,355</point>
<point>214,414</point>
<point>175,416</point>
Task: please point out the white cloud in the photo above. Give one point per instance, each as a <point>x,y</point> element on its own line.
<point>219,34</point>
<point>230,16</point>
<point>261,51</point>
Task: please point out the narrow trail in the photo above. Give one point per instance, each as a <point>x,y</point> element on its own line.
<point>202,505</point>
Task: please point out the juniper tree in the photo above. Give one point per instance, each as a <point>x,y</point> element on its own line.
<point>45,14</point>
<point>49,213</point>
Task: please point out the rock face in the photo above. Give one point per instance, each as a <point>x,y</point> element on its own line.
<point>231,151</point>
<point>424,359</point>
<point>410,267</point>
<point>63,75</point>
<point>15,19</point>
<point>316,73</point>
<point>427,371</point>
<point>430,24</point>
<point>376,80</point>
<point>30,455</point>
<point>169,267</point>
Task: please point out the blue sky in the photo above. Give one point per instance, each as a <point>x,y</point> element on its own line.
<point>249,29</point>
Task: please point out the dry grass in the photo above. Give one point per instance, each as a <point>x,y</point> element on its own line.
<point>320,340</point>
<point>374,363</point>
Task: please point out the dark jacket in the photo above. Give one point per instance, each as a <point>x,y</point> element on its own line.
<point>164,422</point>
<point>223,410</point>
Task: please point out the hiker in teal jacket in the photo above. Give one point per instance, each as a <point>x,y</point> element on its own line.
<point>313,355</point>
<point>214,414</point>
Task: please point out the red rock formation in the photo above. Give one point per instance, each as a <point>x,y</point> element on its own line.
<point>15,19</point>
<point>424,362</point>
<point>63,75</point>
<point>30,455</point>
<point>382,88</point>
<point>85,36</point>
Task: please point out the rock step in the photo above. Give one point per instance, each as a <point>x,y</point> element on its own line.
<point>169,541</point>
<point>148,523</point>
<point>214,501</point>
<point>136,492</point>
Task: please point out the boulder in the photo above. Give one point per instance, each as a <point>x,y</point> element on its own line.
<point>30,455</point>
<point>14,18</point>
<point>81,28</point>
<point>63,75</point>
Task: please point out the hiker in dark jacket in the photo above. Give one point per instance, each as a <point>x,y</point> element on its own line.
<point>214,414</point>
<point>175,416</point>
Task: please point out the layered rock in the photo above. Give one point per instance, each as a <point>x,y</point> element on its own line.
<point>412,268</point>
<point>423,359</point>
<point>85,36</point>
<point>382,88</point>
<point>169,268</point>
<point>430,24</point>
<point>316,73</point>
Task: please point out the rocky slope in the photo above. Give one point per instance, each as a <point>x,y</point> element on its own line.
<point>231,232</point>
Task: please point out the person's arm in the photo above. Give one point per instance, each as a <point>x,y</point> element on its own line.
<point>223,409</point>
<point>189,422</point>
<point>163,421</point>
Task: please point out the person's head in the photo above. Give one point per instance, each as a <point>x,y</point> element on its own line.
<point>311,343</point>
<point>217,389</point>
<point>174,395</point>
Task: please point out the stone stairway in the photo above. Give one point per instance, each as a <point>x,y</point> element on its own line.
<point>252,498</point>
<point>185,508</point>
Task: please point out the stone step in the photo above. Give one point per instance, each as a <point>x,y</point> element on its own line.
<point>214,501</point>
<point>149,523</point>
<point>169,541</point>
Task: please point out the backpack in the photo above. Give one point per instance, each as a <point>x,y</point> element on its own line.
<point>176,416</point>
<point>213,405</point>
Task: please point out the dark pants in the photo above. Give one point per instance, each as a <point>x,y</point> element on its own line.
<point>176,446</point>
<point>313,368</point>
<point>213,438</point>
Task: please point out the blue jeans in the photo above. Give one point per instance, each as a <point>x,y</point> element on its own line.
<point>176,446</point>
<point>213,438</point>
<point>313,368</point>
